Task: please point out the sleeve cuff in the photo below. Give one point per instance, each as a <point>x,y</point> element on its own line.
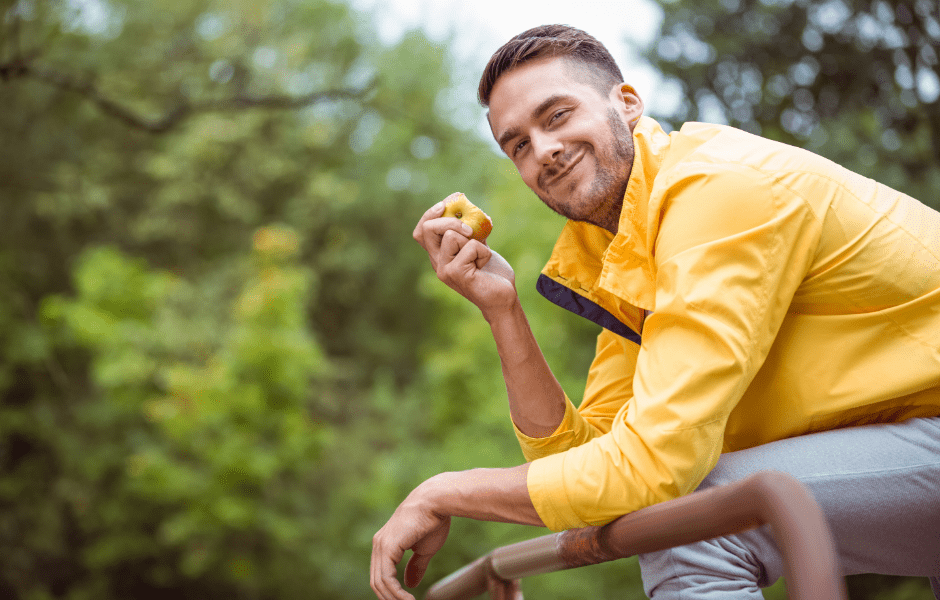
<point>561,439</point>
<point>546,485</point>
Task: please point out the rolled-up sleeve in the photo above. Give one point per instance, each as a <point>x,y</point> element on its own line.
<point>731,250</point>
<point>609,387</point>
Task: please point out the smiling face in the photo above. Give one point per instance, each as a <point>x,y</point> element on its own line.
<point>571,144</point>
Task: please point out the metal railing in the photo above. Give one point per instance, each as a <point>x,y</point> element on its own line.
<point>797,523</point>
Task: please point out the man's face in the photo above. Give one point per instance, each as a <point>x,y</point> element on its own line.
<point>570,143</point>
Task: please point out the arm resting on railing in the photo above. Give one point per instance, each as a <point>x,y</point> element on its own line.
<point>777,499</point>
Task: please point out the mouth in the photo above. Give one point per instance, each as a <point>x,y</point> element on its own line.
<point>564,172</point>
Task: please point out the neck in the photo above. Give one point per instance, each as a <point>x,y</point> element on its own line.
<point>611,220</point>
<point>608,214</point>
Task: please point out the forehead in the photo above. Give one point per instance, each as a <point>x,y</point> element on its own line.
<point>518,91</point>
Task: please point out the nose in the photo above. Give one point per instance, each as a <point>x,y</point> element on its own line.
<point>547,148</point>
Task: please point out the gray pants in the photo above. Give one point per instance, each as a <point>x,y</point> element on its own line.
<point>878,485</point>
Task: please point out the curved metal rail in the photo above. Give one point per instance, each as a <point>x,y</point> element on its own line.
<point>768,497</point>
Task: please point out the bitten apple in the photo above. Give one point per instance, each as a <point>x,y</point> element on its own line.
<point>461,208</point>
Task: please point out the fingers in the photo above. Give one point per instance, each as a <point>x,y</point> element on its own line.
<point>416,568</point>
<point>425,549</point>
<point>500,589</point>
<point>451,243</point>
<point>383,575</point>
<point>457,270</point>
<point>431,228</point>
<point>483,255</point>
<point>432,213</point>
<point>434,230</point>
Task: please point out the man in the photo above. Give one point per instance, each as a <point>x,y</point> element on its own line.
<point>763,308</point>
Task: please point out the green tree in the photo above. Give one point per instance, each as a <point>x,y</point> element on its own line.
<point>857,81</point>
<point>223,360</point>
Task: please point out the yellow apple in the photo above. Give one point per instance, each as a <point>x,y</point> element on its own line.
<point>461,208</point>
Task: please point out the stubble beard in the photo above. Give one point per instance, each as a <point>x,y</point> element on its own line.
<point>602,203</point>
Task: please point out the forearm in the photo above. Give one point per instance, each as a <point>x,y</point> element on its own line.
<point>536,399</point>
<point>482,494</point>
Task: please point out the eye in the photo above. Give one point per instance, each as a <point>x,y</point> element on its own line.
<point>519,147</point>
<point>559,114</point>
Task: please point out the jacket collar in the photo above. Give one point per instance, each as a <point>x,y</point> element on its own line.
<point>616,272</point>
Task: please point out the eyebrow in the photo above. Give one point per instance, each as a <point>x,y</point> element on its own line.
<point>536,114</point>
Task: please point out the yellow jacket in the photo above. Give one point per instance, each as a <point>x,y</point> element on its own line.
<point>784,293</point>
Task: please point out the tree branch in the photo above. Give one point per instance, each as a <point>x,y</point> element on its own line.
<point>22,69</point>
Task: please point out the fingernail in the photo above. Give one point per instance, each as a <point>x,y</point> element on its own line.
<point>439,205</point>
<point>466,229</point>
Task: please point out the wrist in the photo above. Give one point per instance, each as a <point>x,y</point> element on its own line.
<point>451,494</point>
<point>499,315</point>
<point>482,494</point>
<point>430,495</point>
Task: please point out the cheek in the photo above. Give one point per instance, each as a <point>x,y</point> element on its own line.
<point>528,173</point>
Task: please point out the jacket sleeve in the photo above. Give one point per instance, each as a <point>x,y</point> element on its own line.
<point>609,387</point>
<point>729,255</point>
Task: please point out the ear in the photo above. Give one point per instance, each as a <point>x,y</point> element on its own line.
<point>628,103</point>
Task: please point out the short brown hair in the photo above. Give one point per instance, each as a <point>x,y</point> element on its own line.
<point>557,41</point>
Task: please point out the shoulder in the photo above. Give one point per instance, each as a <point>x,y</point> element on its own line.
<point>703,198</point>
<point>703,145</point>
<point>722,180</point>
<point>727,186</point>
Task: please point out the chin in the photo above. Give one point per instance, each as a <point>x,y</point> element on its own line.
<point>574,210</point>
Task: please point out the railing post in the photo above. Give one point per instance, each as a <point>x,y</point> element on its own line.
<point>797,523</point>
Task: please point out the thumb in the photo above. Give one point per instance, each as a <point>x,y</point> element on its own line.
<point>417,565</point>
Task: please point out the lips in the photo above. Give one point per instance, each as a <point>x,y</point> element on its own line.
<point>565,170</point>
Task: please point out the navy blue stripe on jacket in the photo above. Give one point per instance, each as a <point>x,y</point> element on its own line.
<point>579,305</point>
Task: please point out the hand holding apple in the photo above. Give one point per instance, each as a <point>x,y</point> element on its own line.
<point>460,257</point>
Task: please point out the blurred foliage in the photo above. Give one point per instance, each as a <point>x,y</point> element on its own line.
<point>857,81</point>
<point>223,359</point>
